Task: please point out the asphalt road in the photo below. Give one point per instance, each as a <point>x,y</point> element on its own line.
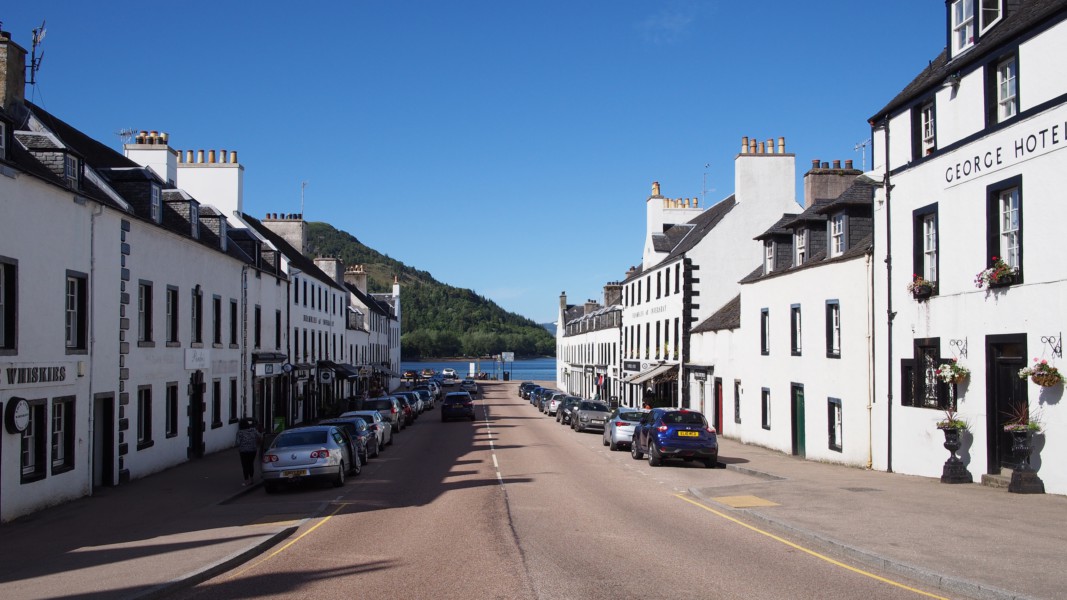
<point>515,506</point>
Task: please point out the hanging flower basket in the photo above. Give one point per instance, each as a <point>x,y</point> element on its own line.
<point>1000,274</point>
<point>1042,373</point>
<point>952,372</point>
<point>920,288</point>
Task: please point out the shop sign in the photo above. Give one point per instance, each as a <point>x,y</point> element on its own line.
<point>197,359</point>
<point>27,375</point>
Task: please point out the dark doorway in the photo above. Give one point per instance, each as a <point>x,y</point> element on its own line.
<point>719,423</point>
<point>197,387</point>
<point>103,440</point>
<point>1005,395</point>
<point>797,425</point>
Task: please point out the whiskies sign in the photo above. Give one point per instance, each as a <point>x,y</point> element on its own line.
<point>24,375</point>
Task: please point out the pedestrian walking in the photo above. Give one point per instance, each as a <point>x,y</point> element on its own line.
<point>248,443</point>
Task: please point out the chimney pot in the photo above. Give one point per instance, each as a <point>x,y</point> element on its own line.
<point>211,156</point>
<point>837,164</point>
<point>200,156</point>
<point>222,156</point>
<point>752,146</point>
<point>814,163</point>
<point>164,137</point>
<point>848,164</point>
<point>189,156</point>
<point>761,148</point>
<point>826,165</point>
<point>233,157</point>
<point>744,144</point>
<point>770,146</point>
<point>781,145</point>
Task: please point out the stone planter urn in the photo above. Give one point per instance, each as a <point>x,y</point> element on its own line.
<point>954,470</point>
<point>1024,479</point>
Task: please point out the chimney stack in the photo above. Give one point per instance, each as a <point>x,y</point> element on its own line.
<point>824,183</point>
<point>356,277</point>
<point>12,73</point>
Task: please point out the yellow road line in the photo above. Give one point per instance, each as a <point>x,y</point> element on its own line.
<point>283,548</point>
<point>807,551</point>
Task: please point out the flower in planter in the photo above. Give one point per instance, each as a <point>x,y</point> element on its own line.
<point>952,421</point>
<point>952,372</point>
<point>918,284</point>
<point>994,274</point>
<point>1042,373</point>
<point>1021,419</point>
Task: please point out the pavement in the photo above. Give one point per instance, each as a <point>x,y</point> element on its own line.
<point>176,528</point>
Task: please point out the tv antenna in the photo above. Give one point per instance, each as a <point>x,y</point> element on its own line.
<point>35,61</point>
<point>862,147</point>
<point>303,184</point>
<point>125,135</point>
<point>704,188</point>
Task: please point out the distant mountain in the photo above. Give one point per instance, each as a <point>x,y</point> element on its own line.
<point>550,327</point>
<point>437,320</point>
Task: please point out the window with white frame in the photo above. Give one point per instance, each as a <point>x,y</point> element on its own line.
<point>1007,89</point>
<point>800,246</point>
<point>929,133</point>
<point>929,224</point>
<point>765,331</point>
<point>196,320</point>
<point>989,14</point>
<point>833,329</point>
<point>768,256</point>
<point>765,407</point>
<point>194,219</point>
<point>962,25</point>
<point>144,311</point>
<point>8,304</point>
<point>837,235</point>
<point>62,434</point>
<point>1010,234</point>
<point>34,438</point>
<point>216,321</point>
<point>144,417</point>
<point>156,204</point>
<point>172,315</point>
<point>76,312</point>
<point>172,409</point>
<point>795,337</point>
<point>833,409</point>
<point>70,171</point>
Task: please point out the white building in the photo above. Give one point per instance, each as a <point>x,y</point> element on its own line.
<point>974,150</point>
<point>587,346</point>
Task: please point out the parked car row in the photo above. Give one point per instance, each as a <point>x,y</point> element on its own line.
<point>658,434</point>
<point>339,446</point>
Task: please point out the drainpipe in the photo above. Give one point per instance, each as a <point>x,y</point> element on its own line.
<point>870,358</point>
<point>99,210</point>
<point>890,315</point>
<point>244,346</point>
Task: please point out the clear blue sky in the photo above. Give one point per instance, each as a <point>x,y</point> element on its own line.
<point>503,146</point>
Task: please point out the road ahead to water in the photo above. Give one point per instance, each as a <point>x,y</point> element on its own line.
<point>515,506</point>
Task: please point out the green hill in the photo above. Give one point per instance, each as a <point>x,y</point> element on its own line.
<point>437,320</point>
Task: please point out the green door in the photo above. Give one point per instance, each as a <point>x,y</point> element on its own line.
<point>798,420</point>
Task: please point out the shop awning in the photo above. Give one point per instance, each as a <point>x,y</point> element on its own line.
<point>347,370</point>
<point>649,373</point>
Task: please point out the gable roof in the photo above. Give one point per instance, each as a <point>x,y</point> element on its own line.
<point>860,193</point>
<point>727,317</point>
<point>1027,15</point>
<point>779,227</point>
<point>297,259</point>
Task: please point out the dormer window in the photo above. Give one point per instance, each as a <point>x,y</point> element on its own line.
<point>837,235</point>
<point>768,256</point>
<point>222,235</point>
<point>156,204</point>
<point>194,219</point>
<point>990,14</point>
<point>70,171</point>
<point>962,25</point>
<point>800,247</point>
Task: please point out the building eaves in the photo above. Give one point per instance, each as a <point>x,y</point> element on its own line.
<point>779,227</point>
<point>371,304</point>
<point>702,225</point>
<point>863,248</point>
<point>97,154</point>
<point>297,259</point>
<point>810,215</point>
<point>860,193</point>
<point>727,317</point>
<point>1026,16</point>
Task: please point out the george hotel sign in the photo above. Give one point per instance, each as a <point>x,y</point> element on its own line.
<point>25,375</point>
<point>1008,147</point>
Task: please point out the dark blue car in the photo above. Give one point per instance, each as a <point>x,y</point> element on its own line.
<point>675,433</point>
<point>457,405</point>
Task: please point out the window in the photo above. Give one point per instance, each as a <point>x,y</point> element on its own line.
<point>765,407</point>
<point>77,321</point>
<point>277,330</point>
<point>929,136</point>
<point>1007,90</point>
<point>794,336</point>
<point>962,25</point>
<point>648,289</point>
<point>659,284</point>
<point>737,401</point>
<point>8,305</point>
<point>296,291</point>
<point>144,312</point>
<point>233,400</point>
<point>928,390</point>
<point>172,409</point>
<point>800,247</point>
<point>34,439</point>
<point>172,315</point>
<point>216,324</point>
<point>62,434</point>
<point>667,282</point>
<point>1004,224</point>
<point>989,14</point>
<point>156,204</point>
<point>197,320</point>
<point>926,243</point>
<point>765,331</point>
<point>233,323</point>
<point>194,219</point>
<point>305,292</point>
<point>768,257</point>
<point>3,139</point>
<point>70,171</point>
<point>257,334</point>
<point>833,418</point>
<point>837,235</point>
<point>833,329</point>
<point>144,417</point>
<point>677,277</point>
<point>216,403</point>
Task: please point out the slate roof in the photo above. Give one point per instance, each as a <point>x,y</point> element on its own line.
<point>681,238</point>
<point>860,193</point>
<point>371,304</point>
<point>727,317</point>
<point>297,259</point>
<point>96,154</point>
<point>811,214</point>
<point>1027,15</point>
<point>862,248</point>
<point>779,227</point>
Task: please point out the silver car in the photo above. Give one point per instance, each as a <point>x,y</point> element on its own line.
<point>320,452</point>
<point>589,415</point>
<point>374,420</point>
<point>553,403</point>
<point>619,429</point>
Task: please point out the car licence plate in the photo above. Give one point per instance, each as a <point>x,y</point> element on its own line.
<point>597,421</point>
<point>295,473</point>
<point>688,434</point>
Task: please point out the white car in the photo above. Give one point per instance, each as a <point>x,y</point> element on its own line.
<point>449,373</point>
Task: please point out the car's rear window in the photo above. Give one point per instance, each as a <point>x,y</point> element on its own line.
<point>300,438</point>
<point>631,416</point>
<point>684,418</point>
<point>377,404</point>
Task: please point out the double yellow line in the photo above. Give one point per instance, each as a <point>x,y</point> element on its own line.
<point>807,551</point>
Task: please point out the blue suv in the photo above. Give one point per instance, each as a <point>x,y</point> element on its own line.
<point>675,433</point>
